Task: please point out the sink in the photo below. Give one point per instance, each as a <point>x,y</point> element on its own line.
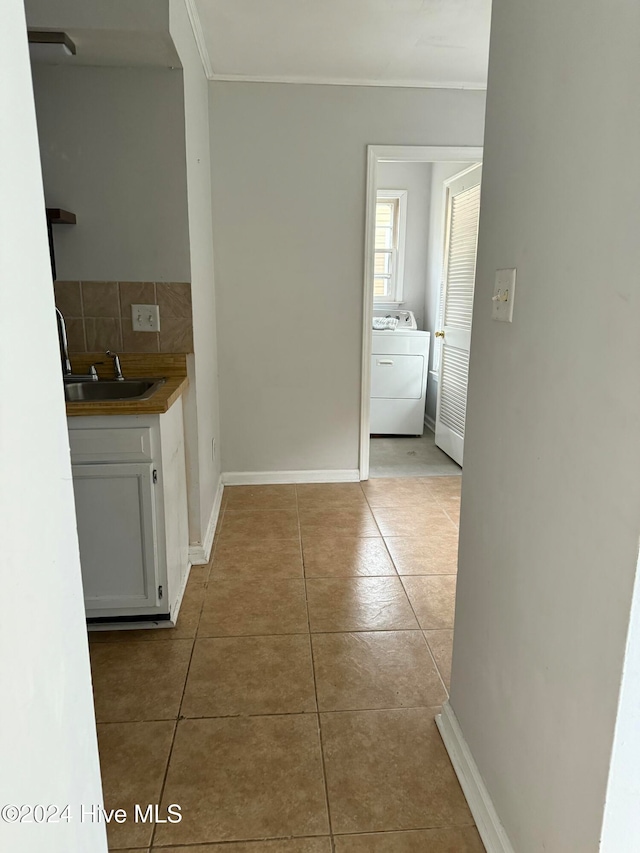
<point>87,390</point>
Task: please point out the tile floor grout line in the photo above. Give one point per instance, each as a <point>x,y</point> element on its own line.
<point>315,685</point>
<point>324,631</point>
<point>394,574</point>
<point>408,506</point>
<point>295,634</point>
<point>375,520</point>
<point>393,562</point>
<point>398,575</point>
<point>273,714</point>
<point>410,603</point>
<point>184,688</point>
<point>292,713</point>
<point>395,506</point>
<point>215,542</point>
<point>250,578</point>
<point>164,775</point>
<point>401,536</point>
<point>435,662</point>
<point>261,509</point>
<point>444,826</point>
<point>243,841</point>
<point>457,523</point>
<point>384,539</point>
<point>381,832</point>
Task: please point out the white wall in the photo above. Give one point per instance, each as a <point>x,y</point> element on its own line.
<point>109,32</point>
<point>416,179</point>
<point>84,15</point>
<point>204,429</point>
<point>437,212</point>
<point>621,826</point>
<point>289,170</point>
<point>551,494</point>
<point>47,726</point>
<point>113,152</point>
<point>127,149</point>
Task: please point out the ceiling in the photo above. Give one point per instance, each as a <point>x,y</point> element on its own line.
<point>369,42</point>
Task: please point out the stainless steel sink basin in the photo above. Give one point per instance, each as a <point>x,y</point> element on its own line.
<point>86,390</point>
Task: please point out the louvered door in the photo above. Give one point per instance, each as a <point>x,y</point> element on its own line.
<point>463,209</point>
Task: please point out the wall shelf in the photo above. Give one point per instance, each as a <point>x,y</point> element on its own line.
<point>57,216</point>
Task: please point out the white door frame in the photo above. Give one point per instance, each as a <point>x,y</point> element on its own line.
<point>389,154</point>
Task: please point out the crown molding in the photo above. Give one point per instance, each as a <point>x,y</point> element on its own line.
<point>198,34</point>
<point>342,81</point>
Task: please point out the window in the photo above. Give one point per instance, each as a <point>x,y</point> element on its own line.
<point>391,207</point>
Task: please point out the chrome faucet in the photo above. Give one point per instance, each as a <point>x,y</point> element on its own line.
<point>67,372</point>
<point>64,347</point>
<point>117,369</point>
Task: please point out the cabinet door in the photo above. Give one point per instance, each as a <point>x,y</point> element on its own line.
<point>115,512</point>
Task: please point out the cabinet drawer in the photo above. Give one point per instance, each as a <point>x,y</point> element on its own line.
<point>397,377</point>
<point>110,445</point>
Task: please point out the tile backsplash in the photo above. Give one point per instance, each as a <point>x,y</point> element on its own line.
<point>98,315</point>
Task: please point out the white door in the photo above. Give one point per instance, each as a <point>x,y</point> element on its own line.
<point>461,243</point>
<point>115,511</point>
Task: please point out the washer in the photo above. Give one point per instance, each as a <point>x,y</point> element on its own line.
<point>399,370</point>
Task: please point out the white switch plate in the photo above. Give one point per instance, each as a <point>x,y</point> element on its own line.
<point>145,318</point>
<point>504,291</point>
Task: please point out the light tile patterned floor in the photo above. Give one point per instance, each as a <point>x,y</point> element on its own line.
<point>292,709</point>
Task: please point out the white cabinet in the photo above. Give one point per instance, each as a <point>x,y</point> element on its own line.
<point>116,517</point>
<point>129,479</point>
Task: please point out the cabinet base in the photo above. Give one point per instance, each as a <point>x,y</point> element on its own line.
<point>130,620</point>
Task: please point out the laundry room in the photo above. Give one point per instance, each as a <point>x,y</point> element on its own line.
<point>413,218</point>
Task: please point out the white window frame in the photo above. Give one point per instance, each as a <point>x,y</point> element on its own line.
<point>397,258</point>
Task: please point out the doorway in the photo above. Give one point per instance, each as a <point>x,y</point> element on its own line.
<point>402,366</point>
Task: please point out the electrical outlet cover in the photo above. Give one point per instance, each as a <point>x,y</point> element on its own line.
<point>145,318</point>
<point>504,291</point>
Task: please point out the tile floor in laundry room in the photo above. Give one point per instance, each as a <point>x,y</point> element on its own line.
<point>292,708</point>
<point>409,456</point>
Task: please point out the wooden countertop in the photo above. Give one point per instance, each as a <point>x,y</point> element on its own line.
<point>172,367</point>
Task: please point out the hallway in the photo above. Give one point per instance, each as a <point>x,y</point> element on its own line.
<point>295,701</point>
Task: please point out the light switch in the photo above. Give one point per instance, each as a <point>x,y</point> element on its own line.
<point>145,318</point>
<point>504,291</point>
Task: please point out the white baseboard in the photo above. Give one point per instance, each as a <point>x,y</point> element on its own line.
<point>178,602</point>
<point>491,830</point>
<point>199,554</point>
<point>430,423</point>
<point>269,478</point>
